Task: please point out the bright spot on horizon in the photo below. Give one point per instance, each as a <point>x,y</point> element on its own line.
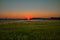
<point>28,17</point>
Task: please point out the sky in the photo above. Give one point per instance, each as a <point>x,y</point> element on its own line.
<point>29,8</point>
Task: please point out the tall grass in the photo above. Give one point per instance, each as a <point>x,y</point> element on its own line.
<point>31,30</point>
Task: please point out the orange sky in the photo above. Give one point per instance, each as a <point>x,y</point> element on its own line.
<point>30,14</point>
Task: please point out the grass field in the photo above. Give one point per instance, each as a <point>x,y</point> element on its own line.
<point>30,30</point>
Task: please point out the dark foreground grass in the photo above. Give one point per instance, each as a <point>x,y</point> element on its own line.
<point>31,30</point>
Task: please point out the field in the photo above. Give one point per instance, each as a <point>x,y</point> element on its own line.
<point>29,29</point>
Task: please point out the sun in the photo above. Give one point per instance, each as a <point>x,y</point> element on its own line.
<point>28,17</point>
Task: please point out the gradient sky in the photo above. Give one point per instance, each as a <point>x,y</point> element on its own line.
<point>29,8</point>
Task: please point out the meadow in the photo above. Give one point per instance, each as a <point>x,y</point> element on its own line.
<point>29,29</point>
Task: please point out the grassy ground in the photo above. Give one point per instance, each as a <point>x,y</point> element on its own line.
<point>30,30</point>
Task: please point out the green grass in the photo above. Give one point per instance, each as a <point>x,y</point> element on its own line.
<point>31,30</point>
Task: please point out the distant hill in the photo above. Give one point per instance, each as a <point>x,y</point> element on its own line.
<point>55,18</point>
<point>13,19</point>
<point>52,18</point>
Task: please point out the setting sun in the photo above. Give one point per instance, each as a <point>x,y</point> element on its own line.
<point>28,17</point>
